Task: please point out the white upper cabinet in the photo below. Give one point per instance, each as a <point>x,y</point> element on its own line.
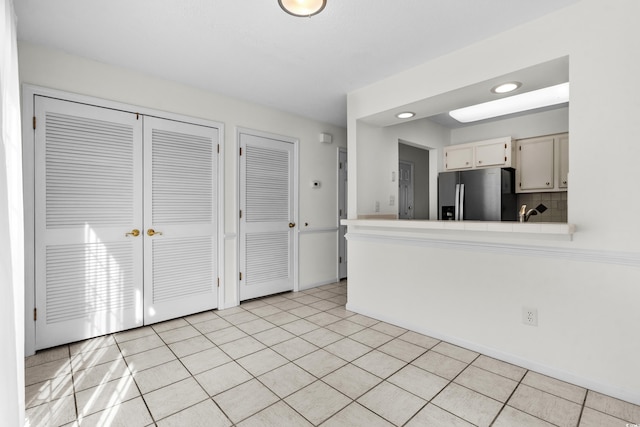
<point>494,153</point>
<point>535,164</point>
<point>542,163</point>
<point>483,154</point>
<point>458,157</point>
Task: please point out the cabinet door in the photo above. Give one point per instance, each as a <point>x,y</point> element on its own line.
<point>458,158</point>
<point>491,155</point>
<point>563,143</point>
<point>535,164</point>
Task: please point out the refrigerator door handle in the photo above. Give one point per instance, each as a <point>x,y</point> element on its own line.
<point>457,199</point>
<point>461,202</point>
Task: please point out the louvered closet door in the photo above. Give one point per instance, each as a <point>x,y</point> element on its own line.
<point>180,260</point>
<point>88,192</point>
<point>267,224</point>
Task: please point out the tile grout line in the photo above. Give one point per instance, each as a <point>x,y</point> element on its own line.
<point>382,380</point>
<point>584,402</point>
<point>153,419</point>
<point>451,381</point>
<point>257,378</point>
<point>280,399</point>
<point>506,402</point>
<point>193,376</point>
<point>73,383</point>
<point>317,379</point>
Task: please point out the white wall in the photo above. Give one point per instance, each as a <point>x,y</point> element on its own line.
<point>590,303</point>
<point>11,292</point>
<point>472,296</point>
<point>12,401</point>
<point>318,256</point>
<point>377,157</point>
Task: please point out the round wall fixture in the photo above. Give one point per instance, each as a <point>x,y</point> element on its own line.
<point>302,8</point>
<point>405,115</point>
<point>506,87</point>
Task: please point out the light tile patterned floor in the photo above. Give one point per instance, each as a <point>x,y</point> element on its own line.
<point>296,359</point>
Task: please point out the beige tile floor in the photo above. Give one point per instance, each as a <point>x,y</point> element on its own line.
<point>296,359</point>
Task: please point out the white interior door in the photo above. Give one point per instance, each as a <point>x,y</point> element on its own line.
<point>268,215</point>
<point>88,188</point>
<point>180,219</point>
<point>405,190</point>
<point>342,213</point>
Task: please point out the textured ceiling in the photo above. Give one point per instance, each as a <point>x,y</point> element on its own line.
<point>252,50</point>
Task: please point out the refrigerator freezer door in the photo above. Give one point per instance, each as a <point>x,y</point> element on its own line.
<point>483,194</point>
<point>447,182</point>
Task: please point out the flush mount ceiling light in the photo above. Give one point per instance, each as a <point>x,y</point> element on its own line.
<point>405,115</point>
<point>506,87</point>
<point>303,8</point>
<point>545,97</point>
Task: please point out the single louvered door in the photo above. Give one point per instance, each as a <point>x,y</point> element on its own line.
<point>180,168</point>
<point>88,192</point>
<point>267,223</point>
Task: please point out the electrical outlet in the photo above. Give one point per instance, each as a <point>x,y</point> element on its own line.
<point>392,200</point>
<point>530,316</point>
<point>376,206</point>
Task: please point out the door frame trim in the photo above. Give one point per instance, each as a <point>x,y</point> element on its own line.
<point>340,151</point>
<point>296,197</point>
<point>28,159</point>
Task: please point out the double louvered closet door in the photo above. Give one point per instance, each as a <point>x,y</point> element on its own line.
<point>126,220</point>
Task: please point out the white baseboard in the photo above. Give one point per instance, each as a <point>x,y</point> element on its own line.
<point>607,389</point>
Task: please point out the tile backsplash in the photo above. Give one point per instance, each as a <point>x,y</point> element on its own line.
<point>556,204</point>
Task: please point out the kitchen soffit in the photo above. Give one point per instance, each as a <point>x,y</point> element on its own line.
<point>437,107</point>
<point>252,50</point>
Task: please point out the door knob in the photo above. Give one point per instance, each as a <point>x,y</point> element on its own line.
<point>135,233</point>
<point>292,224</point>
<point>151,232</point>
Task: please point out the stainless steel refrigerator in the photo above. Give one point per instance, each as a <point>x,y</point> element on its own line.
<point>477,195</point>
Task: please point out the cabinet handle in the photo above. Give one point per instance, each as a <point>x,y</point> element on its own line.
<point>564,182</point>
<point>479,162</point>
<point>547,184</point>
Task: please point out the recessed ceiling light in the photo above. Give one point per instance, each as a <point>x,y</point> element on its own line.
<point>405,115</point>
<point>545,97</point>
<point>302,8</point>
<point>506,87</point>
